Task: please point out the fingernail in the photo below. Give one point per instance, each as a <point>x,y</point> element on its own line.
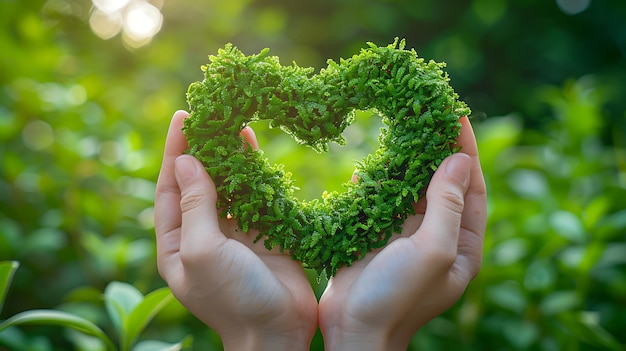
<point>355,177</point>
<point>186,168</point>
<point>458,165</point>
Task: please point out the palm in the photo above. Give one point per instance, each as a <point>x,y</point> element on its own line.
<point>345,295</point>
<point>397,289</point>
<point>426,268</point>
<point>278,283</point>
<point>218,272</point>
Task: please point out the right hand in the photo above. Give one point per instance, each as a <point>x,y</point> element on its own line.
<point>381,301</point>
<point>254,298</point>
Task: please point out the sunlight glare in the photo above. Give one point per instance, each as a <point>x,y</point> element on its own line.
<point>137,20</point>
<point>110,6</point>
<point>573,7</point>
<point>143,21</point>
<point>105,25</point>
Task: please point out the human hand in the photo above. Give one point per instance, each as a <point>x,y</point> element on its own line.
<point>381,301</point>
<point>254,298</point>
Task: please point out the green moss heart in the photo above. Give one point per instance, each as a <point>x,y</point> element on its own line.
<point>421,115</point>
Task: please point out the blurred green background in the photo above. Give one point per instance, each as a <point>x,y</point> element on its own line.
<point>87,89</point>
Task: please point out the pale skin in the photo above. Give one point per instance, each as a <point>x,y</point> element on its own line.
<point>261,300</point>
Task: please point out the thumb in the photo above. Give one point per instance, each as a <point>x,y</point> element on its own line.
<point>197,204</point>
<point>445,199</point>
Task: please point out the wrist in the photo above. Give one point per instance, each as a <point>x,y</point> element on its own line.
<point>258,339</point>
<point>340,339</point>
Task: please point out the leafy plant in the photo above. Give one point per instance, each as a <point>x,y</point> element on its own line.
<point>7,270</point>
<point>83,122</point>
<point>418,107</point>
<point>129,310</point>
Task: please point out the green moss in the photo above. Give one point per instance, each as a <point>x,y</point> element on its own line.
<point>421,113</point>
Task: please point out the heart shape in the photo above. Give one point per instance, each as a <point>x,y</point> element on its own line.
<point>419,108</point>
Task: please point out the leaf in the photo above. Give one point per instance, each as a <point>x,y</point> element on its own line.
<point>509,296</point>
<point>153,345</point>
<point>497,134</point>
<point>521,333</point>
<point>120,300</point>
<point>559,301</point>
<point>61,319</point>
<point>585,327</point>
<point>83,342</point>
<point>7,269</point>
<point>143,313</point>
<point>15,339</point>
<point>540,275</point>
<point>569,226</point>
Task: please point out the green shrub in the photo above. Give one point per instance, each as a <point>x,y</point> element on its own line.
<point>83,122</point>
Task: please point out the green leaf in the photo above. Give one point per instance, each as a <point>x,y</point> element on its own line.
<point>522,334</point>
<point>540,275</point>
<point>559,301</point>
<point>585,327</point>
<point>120,300</point>
<point>83,342</point>
<point>497,134</point>
<point>509,296</point>
<point>7,269</point>
<point>14,339</point>
<point>153,345</point>
<point>143,314</point>
<point>61,319</point>
<point>569,226</point>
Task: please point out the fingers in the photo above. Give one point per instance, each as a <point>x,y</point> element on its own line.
<point>446,201</point>
<point>201,230</point>
<point>167,187</point>
<point>455,216</point>
<point>466,140</point>
<point>167,217</point>
<point>444,204</point>
<point>471,203</point>
<point>200,223</point>
<point>474,219</point>
<point>184,193</point>
<point>250,137</point>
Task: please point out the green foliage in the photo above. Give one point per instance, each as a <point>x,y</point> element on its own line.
<point>418,106</point>
<point>61,319</point>
<point>7,269</point>
<point>129,310</point>
<point>554,274</point>
<point>83,121</point>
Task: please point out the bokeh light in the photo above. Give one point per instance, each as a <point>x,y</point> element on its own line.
<point>110,6</point>
<point>573,7</point>
<point>138,20</point>
<point>105,25</point>
<point>38,135</point>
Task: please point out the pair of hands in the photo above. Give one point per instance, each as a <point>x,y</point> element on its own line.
<point>258,299</point>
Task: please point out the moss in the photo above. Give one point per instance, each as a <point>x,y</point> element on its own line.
<point>420,111</point>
